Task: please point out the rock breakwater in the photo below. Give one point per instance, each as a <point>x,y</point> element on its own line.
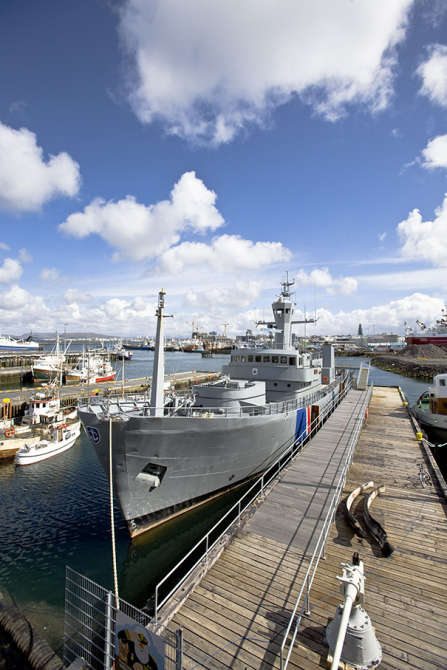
<point>423,361</point>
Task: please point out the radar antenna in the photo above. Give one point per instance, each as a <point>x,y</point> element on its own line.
<point>286,286</point>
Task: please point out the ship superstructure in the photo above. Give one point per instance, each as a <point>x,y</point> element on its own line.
<point>435,335</point>
<point>170,456</point>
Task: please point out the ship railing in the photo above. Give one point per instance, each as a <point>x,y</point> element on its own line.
<point>139,405</point>
<point>232,518</point>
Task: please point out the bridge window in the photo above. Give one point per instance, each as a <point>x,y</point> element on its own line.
<point>266,359</point>
<point>292,360</point>
<point>242,359</point>
<point>258,359</point>
<point>236,358</point>
<point>275,359</point>
<point>442,382</point>
<point>250,359</point>
<point>284,360</point>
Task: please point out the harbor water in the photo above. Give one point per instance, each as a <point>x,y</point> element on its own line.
<point>56,513</point>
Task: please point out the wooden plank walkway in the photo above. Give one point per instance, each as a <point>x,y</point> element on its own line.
<point>235,616</point>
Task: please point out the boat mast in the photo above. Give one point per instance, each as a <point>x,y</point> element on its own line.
<point>158,370</point>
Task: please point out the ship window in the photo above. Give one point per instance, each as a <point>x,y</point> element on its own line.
<point>284,360</point>
<point>266,359</point>
<point>275,359</point>
<point>258,359</point>
<point>287,311</point>
<point>242,359</point>
<point>292,360</point>
<point>442,382</point>
<point>289,385</point>
<point>236,358</point>
<point>275,383</point>
<point>250,359</point>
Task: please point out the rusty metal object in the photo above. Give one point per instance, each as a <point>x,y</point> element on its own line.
<point>375,530</point>
<point>350,518</point>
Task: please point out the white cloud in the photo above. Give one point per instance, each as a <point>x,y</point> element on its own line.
<point>207,69</point>
<point>435,153</point>
<point>10,270</point>
<point>388,317</point>
<point>381,237</point>
<point>49,274</point>
<point>225,253</point>
<point>433,72</point>
<point>322,277</point>
<point>425,240</point>
<point>25,256</point>
<point>73,295</point>
<point>26,180</point>
<point>242,294</point>
<point>4,246</point>
<point>143,232</point>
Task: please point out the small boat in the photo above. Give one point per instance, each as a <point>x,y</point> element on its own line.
<point>37,424</point>
<point>62,437</point>
<point>91,369</point>
<point>120,352</point>
<point>8,343</point>
<point>430,409</point>
<point>50,365</point>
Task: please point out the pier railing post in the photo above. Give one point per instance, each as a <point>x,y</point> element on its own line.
<point>307,608</point>
<point>109,628</point>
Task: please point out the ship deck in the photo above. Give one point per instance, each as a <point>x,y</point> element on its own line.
<point>236,615</point>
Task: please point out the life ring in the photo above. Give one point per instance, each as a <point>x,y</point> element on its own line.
<point>254,372</point>
<point>10,432</point>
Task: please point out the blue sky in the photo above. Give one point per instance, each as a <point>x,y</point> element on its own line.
<point>208,148</point>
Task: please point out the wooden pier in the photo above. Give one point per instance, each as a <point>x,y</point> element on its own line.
<point>236,615</point>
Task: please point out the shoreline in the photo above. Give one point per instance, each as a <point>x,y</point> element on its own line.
<point>419,368</point>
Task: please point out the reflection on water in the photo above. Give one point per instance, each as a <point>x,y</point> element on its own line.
<point>56,512</point>
<point>152,555</point>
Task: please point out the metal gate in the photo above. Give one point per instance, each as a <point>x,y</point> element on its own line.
<point>90,625</point>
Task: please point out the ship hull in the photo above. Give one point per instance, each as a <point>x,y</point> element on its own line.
<point>19,348</point>
<point>438,340</point>
<point>198,457</point>
<point>437,423</point>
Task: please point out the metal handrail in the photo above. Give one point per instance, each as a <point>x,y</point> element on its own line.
<point>240,506</point>
<point>315,558</point>
<point>280,407</point>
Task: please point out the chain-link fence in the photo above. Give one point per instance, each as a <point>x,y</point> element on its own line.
<point>92,620</point>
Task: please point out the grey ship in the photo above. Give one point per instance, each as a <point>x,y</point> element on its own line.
<point>171,456</point>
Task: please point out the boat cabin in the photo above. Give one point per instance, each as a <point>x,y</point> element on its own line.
<point>438,394</point>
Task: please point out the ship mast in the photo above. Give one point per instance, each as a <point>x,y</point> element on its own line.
<point>283,314</point>
<point>158,371</point>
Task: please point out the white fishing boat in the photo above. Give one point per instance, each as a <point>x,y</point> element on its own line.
<point>41,417</point>
<point>91,369</point>
<point>8,343</point>
<point>61,438</point>
<point>50,365</point>
<point>120,352</point>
